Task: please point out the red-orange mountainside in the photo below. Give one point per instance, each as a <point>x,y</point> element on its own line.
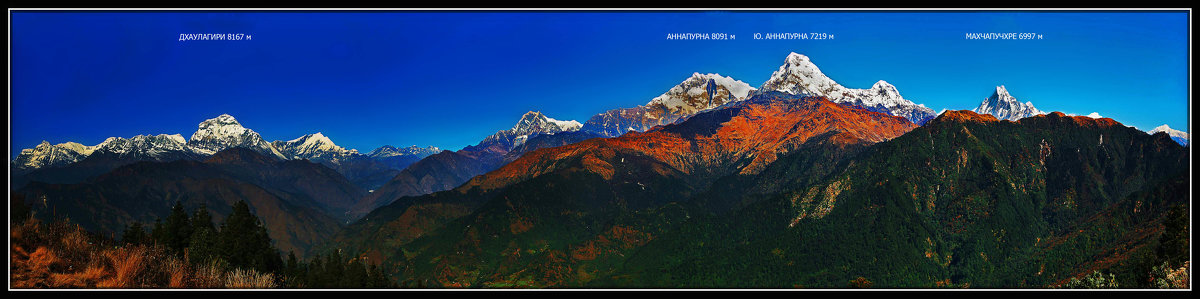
<point>755,131</point>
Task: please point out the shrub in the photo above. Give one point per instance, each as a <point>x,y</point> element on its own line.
<point>209,275</point>
<point>1165,277</point>
<point>1093,281</point>
<point>127,263</point>
<point>249,279</point>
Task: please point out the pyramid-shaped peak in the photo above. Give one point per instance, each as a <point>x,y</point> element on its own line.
<point>797,58</point>
<point>312,138</point>
<point>1169,131</point>
<point>1001,91</point>
<point>1003,105</point>
<point>535,121</point>
<point>532,114</point>
<point>318,137</point>
<point>224,119</point>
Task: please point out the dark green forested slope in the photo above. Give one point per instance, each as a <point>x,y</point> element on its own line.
<point>962,201</point>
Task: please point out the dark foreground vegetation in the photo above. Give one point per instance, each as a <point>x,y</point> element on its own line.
<point>184,251</point>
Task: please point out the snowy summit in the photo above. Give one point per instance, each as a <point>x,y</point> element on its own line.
<point>1004,106</point>
<point>531,124</point>
<point>225,132</point>
<point>1179,136</point>
<point>798,75</point>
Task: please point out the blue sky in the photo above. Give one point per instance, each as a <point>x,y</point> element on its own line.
<point>366,79</point>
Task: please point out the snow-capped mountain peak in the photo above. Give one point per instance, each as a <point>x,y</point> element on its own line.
<point>76,147</point>
<point>1002,92</point>
<point>798,75</point>
<point>531,124</point>
<point>1170,131</point>
<point>1003,105</point>
<point>160,147</point>
<point>884,93</point>
<point>318,141</point>
<point>391,151</point>
<point>50,155</point>
<point>700,92</point>
<point>1179,136</point>
<point>224,132</point>
<point>222,126</point>
<point>534,122</point>
<point>152,146</point>
<point>310,146</point>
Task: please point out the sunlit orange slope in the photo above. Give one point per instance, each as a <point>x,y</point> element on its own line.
<point>743,138</point>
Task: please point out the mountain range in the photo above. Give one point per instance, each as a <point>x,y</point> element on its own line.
<point>799,75</point>
<point>800,182</point>
<point>447,169</point>
<point>782,190</point>
<point>213,135</point>
<point>696,93</point>
<point>300,202</point>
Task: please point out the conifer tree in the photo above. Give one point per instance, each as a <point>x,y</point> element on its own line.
<point>157,234</point>
<point>356,275</point>
<point>314,272</point>
<point>335,268</point>
<point>177,229</point>
<point>203,247</point>
<point>201,219</point>
<point>244,242</point>
<point>292,269</point>
<point>134,234</point>
<point>1173,243</point>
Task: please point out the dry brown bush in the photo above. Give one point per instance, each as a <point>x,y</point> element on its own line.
<point>209,276</point>
<point>249,279</point>
<point>67,256</point>
<point>127,263</point>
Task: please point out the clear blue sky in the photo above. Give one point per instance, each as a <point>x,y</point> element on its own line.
<point>450,79</point>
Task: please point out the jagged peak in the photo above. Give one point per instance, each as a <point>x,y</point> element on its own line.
<point>1004,106</point>
<point>696,93</point>
<point>885,88</point>
<point>391,151</point>
<point>169,137</point>
<point>1001,91</point>
<point>533,121</point>
<point>883,85</point>
<point>531,115</point>
<point>310,145</point>
<point>313,138</point>
<point>797,58</point>
<point>220,126</point>
<point>223,119</point>
<point>1001,95</point>
<point>1172,132</point>
<point>799,75</point>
